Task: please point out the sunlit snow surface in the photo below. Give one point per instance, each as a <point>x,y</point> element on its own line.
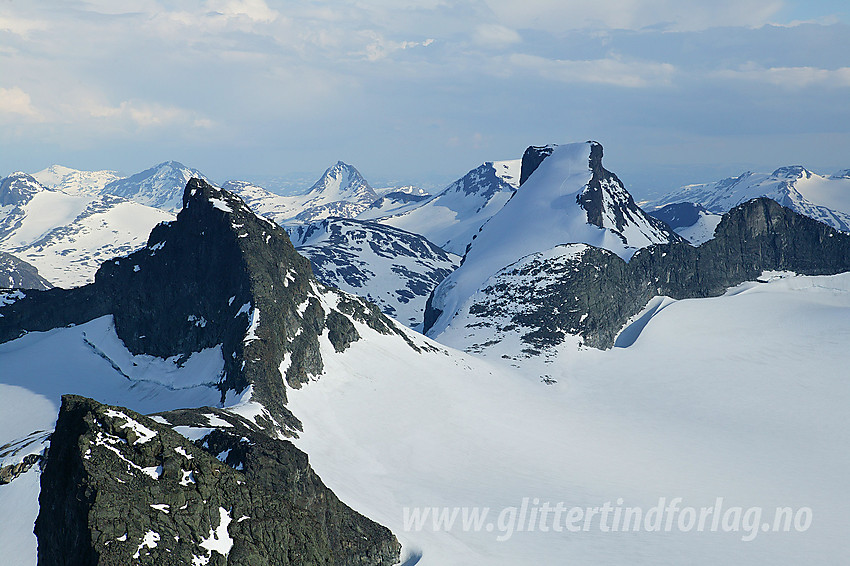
<point>743,397</point>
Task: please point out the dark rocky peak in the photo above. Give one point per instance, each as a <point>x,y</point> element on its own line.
<point>119,488</point>
<point>610,206</point>
<point>680,214</point>
<point>792,172</point>
<point>18,188</point>
<point>532,158</point>
<point>218,275</point>
<point>843,174</point>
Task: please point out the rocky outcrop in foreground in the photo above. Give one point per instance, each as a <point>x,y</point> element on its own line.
<point>122,488</point>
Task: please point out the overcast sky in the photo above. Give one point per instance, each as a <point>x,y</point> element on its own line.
<point>422,91</point>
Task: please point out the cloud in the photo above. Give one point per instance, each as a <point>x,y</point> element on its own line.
<point>495,35</point>
<point>21,26</point>
<point>379,47</point>
<point>15,104</point>
<point>790,77</point>
<point>609,71</point>
<point>562,15</point>
<point>254,10</point>
<point>147,115</point>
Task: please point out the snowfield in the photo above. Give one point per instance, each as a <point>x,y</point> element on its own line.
<point>742,397</point>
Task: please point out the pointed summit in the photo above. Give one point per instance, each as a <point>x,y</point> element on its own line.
<point>452,218</point>
<point>343,182</point>
<point>219,277</point>
<point>340,191</point>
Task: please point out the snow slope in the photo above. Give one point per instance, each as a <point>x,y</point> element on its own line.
<point>691,221</point>
<point>451,218</point>
<point>543,214</point>
<point>716,398</point>
<point>277,208</point>
<point>824,198</point>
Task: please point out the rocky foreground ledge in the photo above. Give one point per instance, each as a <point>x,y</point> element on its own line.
<point>122,488</point>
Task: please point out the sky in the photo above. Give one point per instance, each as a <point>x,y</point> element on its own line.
<point>419,92</point>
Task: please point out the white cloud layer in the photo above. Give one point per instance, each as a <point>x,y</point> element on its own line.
<point>791,77</point>
<point>16,105</point>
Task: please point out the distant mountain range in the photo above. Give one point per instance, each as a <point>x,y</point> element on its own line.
<point>67,235</point>
<point>826,198</point>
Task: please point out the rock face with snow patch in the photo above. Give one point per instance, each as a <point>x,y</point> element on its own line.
<point>121,488</point>
<point>590,293</point>
<point>18,274</point>
<point>218,275</point>
<point>392,268</point>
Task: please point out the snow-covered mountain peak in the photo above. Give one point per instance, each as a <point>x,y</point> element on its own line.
<point>824,198</point>
<point>569,198</point>
<point>73,181</point>
<point>792,172</point>
<point>343,182</point>
<point>161,186</point>
<point>18,188</point>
